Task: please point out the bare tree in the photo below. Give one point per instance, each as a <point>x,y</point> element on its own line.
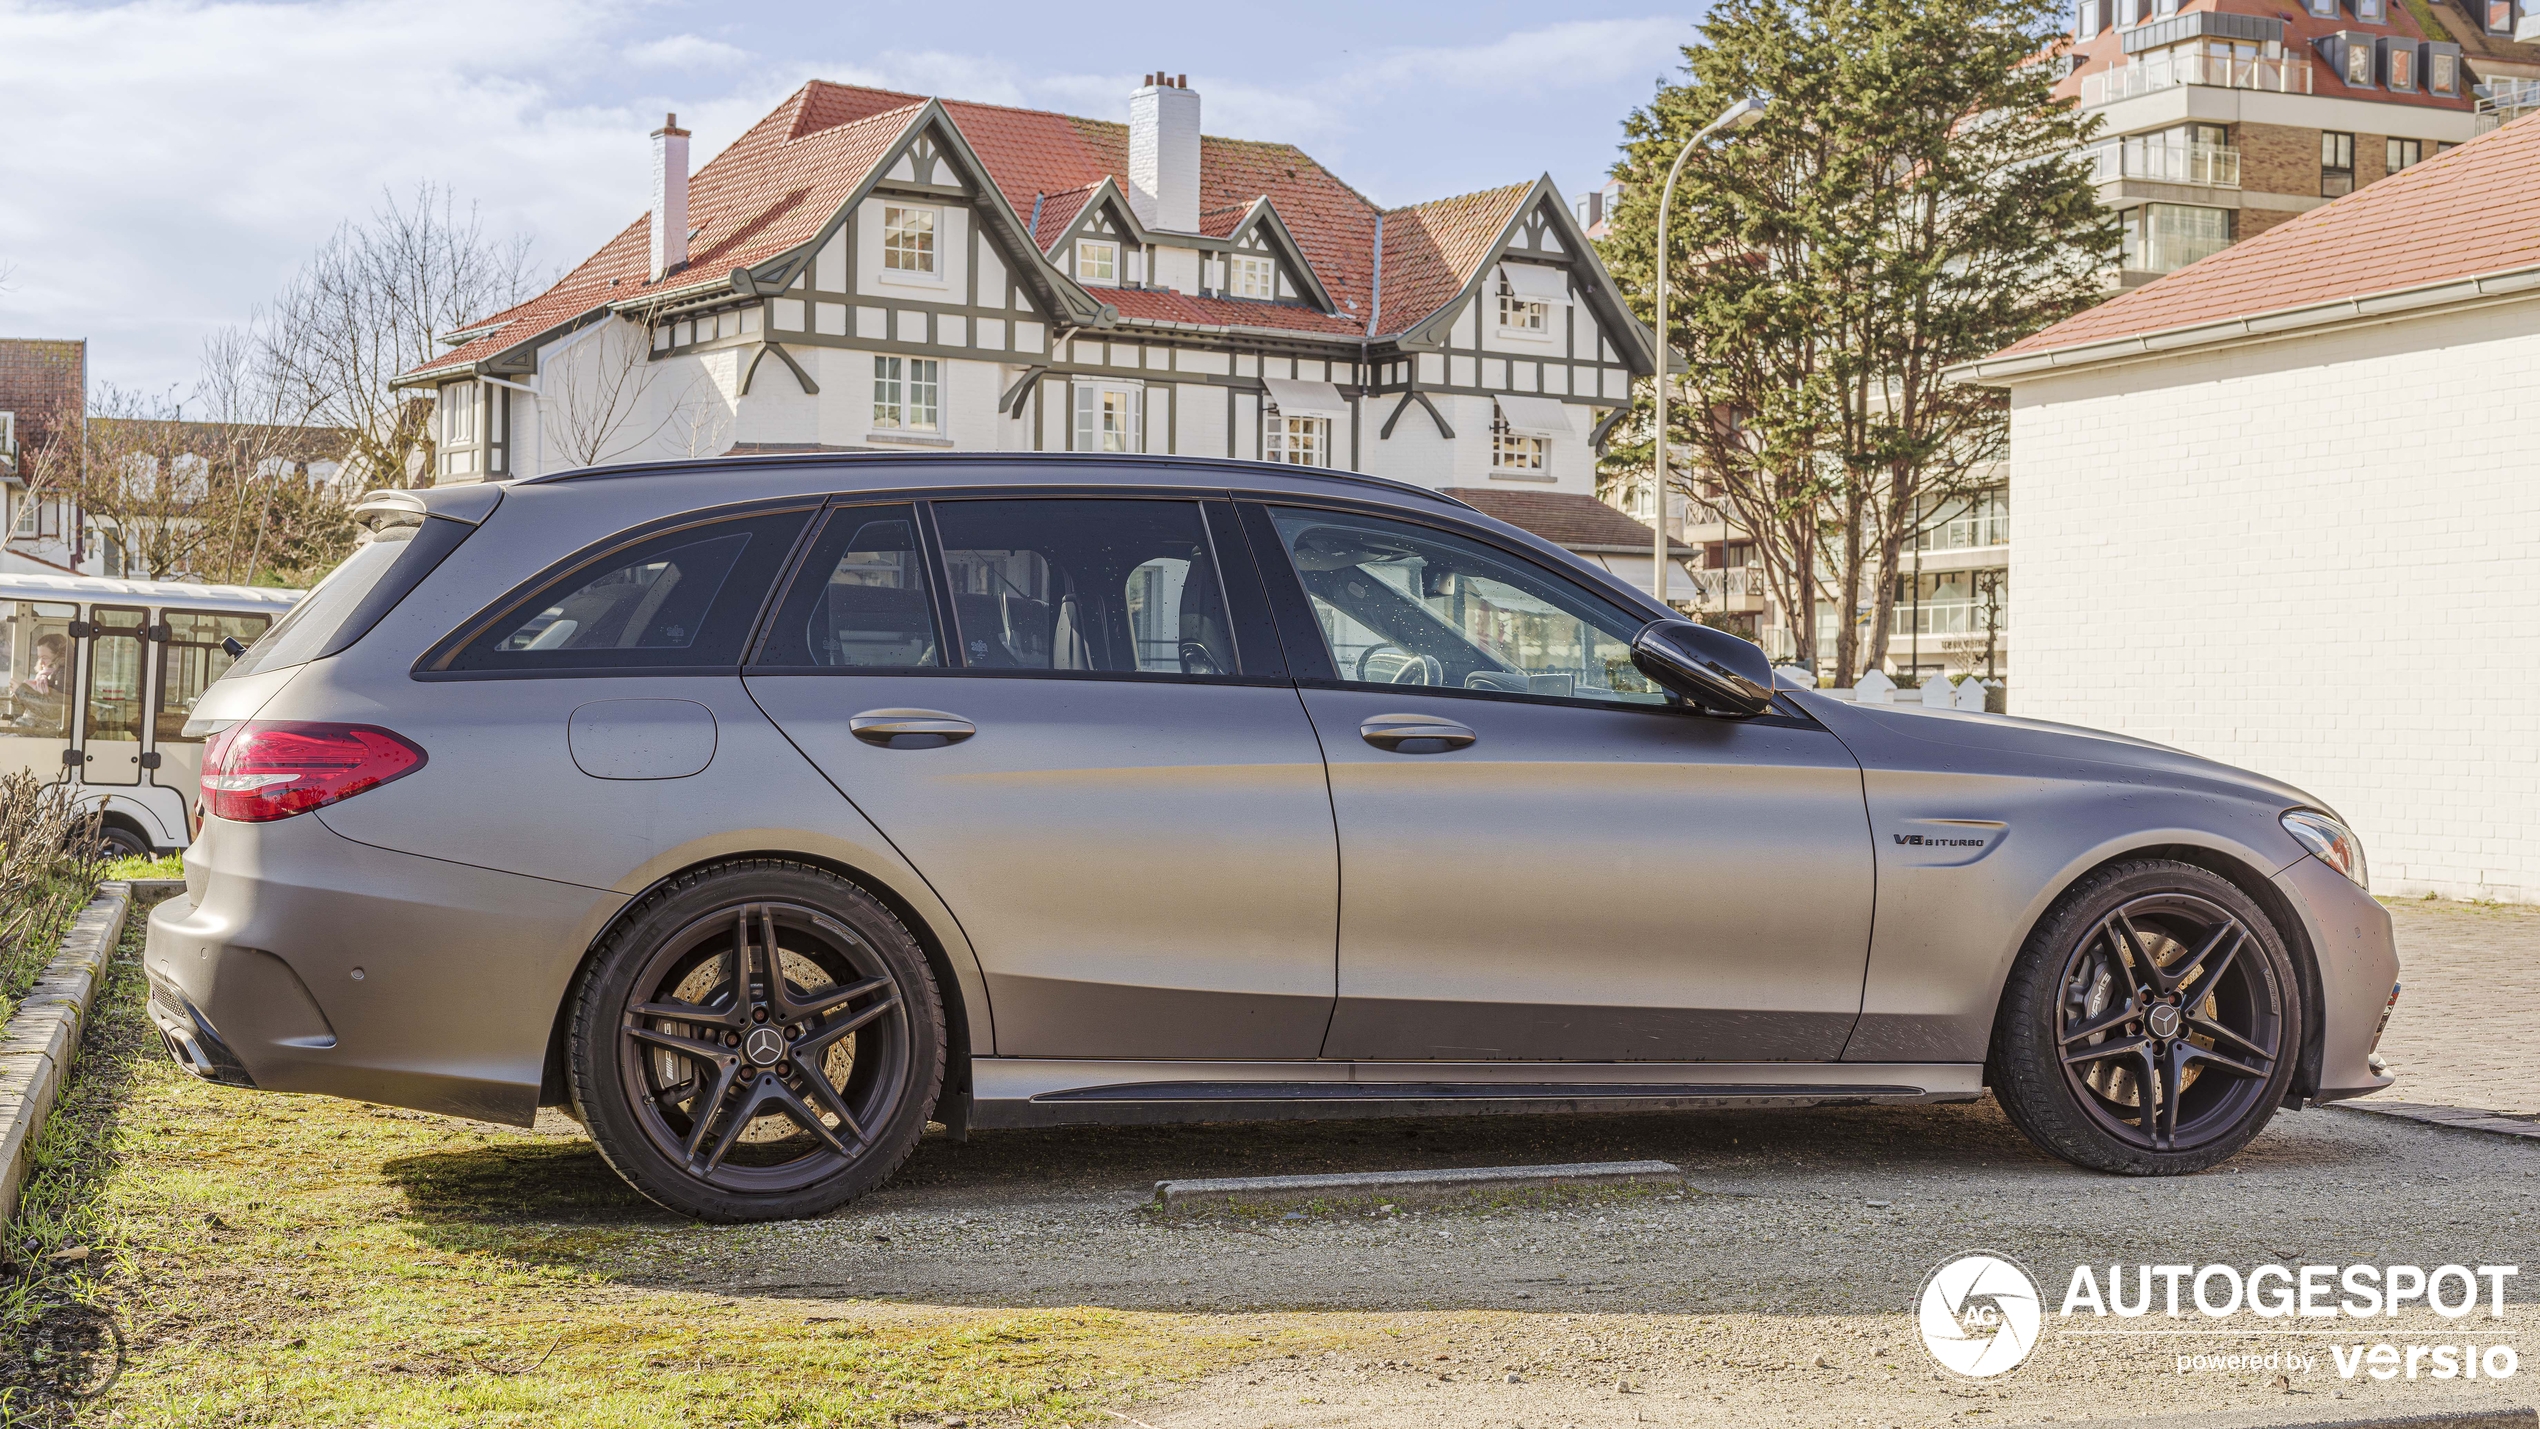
<point>374,301</point>
<point>601,398</point>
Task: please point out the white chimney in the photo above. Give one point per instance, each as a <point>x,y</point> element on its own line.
<point>1164,154</point>
<point>670,196</point>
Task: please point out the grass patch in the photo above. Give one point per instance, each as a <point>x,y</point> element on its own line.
<point>297,1260</point>
<point>165,866</point>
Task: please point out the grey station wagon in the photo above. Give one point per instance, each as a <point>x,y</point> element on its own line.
<point>760,811</point>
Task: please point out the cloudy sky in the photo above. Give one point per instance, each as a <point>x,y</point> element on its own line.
<point>166,164</point>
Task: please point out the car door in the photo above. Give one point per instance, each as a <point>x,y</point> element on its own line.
<point>1543,855</point>
<point>1090,752</point>
<point>111,714</point>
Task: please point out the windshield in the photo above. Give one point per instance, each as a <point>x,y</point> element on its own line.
<point>302,634</point>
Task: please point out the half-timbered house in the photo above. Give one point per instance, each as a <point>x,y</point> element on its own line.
<point>865,270</point>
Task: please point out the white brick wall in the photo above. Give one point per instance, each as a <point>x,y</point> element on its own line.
<point>2318,559</point>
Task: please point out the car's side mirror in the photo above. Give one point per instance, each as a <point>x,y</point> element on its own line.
<point>1712,668</point>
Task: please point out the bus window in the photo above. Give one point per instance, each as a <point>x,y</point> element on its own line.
<point>35,668</point>
<point>192,658</point>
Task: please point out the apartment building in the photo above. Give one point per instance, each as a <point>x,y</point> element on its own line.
<point>2224,118</point>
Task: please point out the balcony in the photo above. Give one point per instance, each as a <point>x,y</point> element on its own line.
<point>2211,165</point>
<point>2167,69</point>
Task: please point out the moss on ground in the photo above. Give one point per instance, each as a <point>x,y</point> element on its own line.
<point>301,1261</point>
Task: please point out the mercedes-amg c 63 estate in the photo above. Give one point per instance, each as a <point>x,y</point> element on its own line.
<point>759,811</point>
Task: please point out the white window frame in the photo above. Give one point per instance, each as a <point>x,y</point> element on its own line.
<point>458,414</point>
<point>1511,452</point>
<point>907,394</point>
<point>2401,64</point>
<point>1516,315</point>
<point>1086,248</point>
<point>1094,400</point>
<point>1246,271</point>
<point>912,242</point>
<point>1297,441</point>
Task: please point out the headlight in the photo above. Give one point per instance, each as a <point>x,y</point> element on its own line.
<point>2334,843</point>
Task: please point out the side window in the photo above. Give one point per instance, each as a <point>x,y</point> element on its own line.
<point>191,658</point>
<point>114,675</point>
<point>1120,586</point>
<point>684,599</point>
<point>860,600</point>
<point>35,668</point>
<point>1400,604</point>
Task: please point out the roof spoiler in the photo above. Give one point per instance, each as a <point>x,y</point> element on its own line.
<point>469,505</point>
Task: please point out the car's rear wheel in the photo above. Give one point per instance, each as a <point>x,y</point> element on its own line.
<point>757,1041</point>
<point>2151,1024</point>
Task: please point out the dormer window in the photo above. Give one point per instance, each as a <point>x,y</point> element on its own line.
<point>1248,277</point>
<point>908,239</point>
<point>1097,262</point>
<point>2443,73</point>
<point>2401,67</point>
<point>2325,9</point>
<point>2373,12</point>
<point>2500,17</point>
<point>2359,61</point>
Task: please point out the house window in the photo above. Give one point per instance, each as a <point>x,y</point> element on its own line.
<point>1097,262</point>
<point>904,393</point>
<point>1298,441</point>
<point>908,239</point>
<point>27,506</point>
<point>2322,9</point>
<point>1509,451</point>
<point>2403,67</point>
<point>1109,419</point>
<point>2337,164</point>
<point>2500,17</point>
<point>2404,152</point>
<point>2087,22</point>
<point>2373,12</point>
<point>2359,65</point>
<point>1516,313</point>
<point>458,414</point>
<point>2443,72</point>
<point>1252,277</point>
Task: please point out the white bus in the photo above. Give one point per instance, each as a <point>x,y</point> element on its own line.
<point>96,680</point>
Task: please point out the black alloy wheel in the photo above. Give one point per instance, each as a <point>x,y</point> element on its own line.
<point>2151,1023</point>
<point>762,1041</point>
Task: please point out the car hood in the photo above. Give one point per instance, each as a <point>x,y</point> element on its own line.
<point>1884,736</point>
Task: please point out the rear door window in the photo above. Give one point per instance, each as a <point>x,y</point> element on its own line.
<point>1116,586</point>
<point>680,600</point>
<point>861,600</point>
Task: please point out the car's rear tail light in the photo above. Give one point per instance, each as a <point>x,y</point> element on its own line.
<point>264,770</point>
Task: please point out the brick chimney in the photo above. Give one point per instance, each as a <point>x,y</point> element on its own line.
<point>1164,153</point>
<point>670,196</point>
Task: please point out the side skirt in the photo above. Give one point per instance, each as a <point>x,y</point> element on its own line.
<point>1036,1091</point>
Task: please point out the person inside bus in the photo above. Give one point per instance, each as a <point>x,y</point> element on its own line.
<point>43,697</point>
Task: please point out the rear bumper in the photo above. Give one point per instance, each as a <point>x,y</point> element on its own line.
<point>2358,958</point>
<point>302,961</point>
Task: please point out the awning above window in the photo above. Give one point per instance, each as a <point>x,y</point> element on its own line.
<point>1536,283</point>
<point>1306,399</point>
<point>1536,416</point>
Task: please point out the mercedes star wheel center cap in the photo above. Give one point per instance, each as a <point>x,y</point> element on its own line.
<point>765,1045</point>
<point>2162,1020</point>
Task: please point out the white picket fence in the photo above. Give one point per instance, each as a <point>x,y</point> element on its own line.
<point>1875,688</point>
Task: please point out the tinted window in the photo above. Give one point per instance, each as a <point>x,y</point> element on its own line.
<point>1400,604</point>
<point>1119,586</point>
<point>684,599</point>
<point>298,637</point>
<point>860,600</point>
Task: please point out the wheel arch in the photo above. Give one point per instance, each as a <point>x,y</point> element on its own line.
<point>952,1103</point>
<point>2261,889</point>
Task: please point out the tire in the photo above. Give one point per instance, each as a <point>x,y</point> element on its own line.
<point>116,841</point>
<point>2156,974</point>
<point>717,1114</point>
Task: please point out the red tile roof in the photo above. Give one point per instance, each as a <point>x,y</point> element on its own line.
<point>1568,519</point>
<point>2468,213</point>
<point>775,187</point>
<point>2105,50</point>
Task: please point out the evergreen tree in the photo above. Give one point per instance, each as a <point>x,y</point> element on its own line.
<point>1913,199</point>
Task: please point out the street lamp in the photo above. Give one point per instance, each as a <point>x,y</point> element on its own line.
<point>1732,119</point>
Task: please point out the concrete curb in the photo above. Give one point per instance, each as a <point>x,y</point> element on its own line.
<point>42,1039</point>
<point>2462,1118</point>
<point>1407,1185</point>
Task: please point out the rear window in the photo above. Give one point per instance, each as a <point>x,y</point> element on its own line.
<point>311,628</point>
<point>684,599</point>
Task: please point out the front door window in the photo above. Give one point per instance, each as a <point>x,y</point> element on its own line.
<point>1400,604</point>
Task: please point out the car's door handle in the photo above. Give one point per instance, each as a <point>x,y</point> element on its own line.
<point>910,729</point>
<point>1414,734</point>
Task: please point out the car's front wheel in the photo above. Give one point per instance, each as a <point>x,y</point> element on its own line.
<point>757,1041</point>
<point>2151,1023</point>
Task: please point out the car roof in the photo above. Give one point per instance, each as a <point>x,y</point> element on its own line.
<point>1071,468</point>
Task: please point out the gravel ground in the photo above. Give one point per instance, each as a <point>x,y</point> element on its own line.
<point>2463,1034</point>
